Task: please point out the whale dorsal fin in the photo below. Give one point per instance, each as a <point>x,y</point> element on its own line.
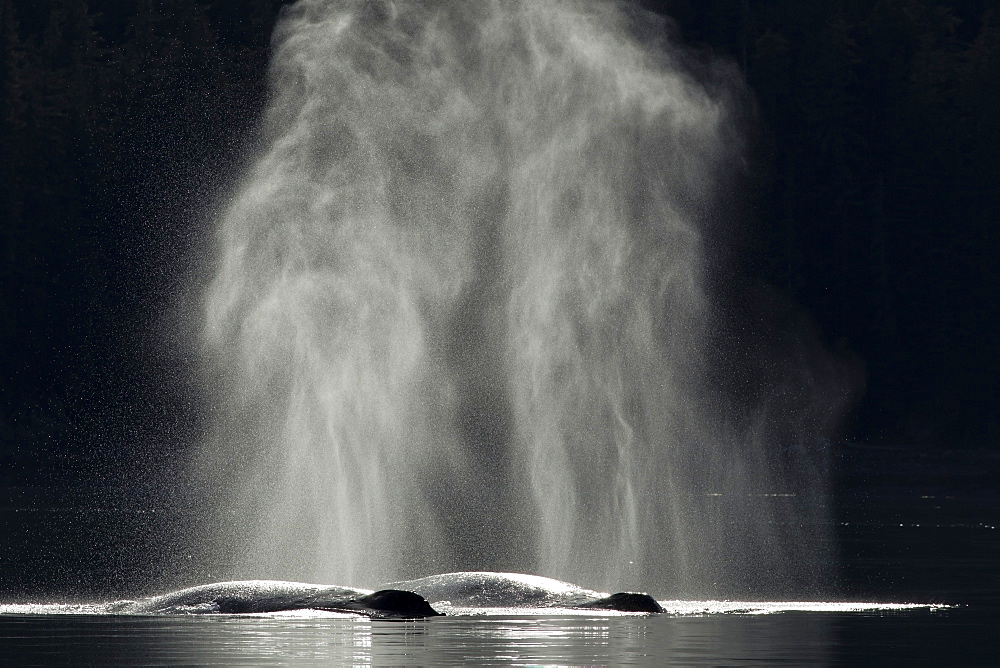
<point>395,603</point>
<point>626,601</point>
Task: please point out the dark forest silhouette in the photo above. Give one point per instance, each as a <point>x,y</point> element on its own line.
<point>121,122</point>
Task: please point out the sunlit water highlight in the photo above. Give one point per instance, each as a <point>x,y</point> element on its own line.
<point>676,608</point>
<point>790,638</point>
<point>690,633</point>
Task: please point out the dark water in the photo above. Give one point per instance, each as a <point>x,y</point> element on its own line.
<point>951,637</point>
<point>905,547</point>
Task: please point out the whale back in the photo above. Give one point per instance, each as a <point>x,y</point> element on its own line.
<point>411,599</point>
<point>260,596</point>
<point>515,590</point>
<point>501,590</point>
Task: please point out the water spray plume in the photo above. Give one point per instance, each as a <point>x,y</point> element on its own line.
<point>460,315</point>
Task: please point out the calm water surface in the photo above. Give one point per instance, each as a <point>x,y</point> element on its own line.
<point>943,637</point>
<point>920,550</point>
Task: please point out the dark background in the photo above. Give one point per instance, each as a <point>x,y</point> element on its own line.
<point>876,149</point>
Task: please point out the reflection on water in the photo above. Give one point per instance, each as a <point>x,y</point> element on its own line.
<point>796,637</point>
<point>453,641</point>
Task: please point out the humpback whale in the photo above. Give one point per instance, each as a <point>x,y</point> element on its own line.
<point>515,590</point>
<point>456,593</point>
<point>256,596</point>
